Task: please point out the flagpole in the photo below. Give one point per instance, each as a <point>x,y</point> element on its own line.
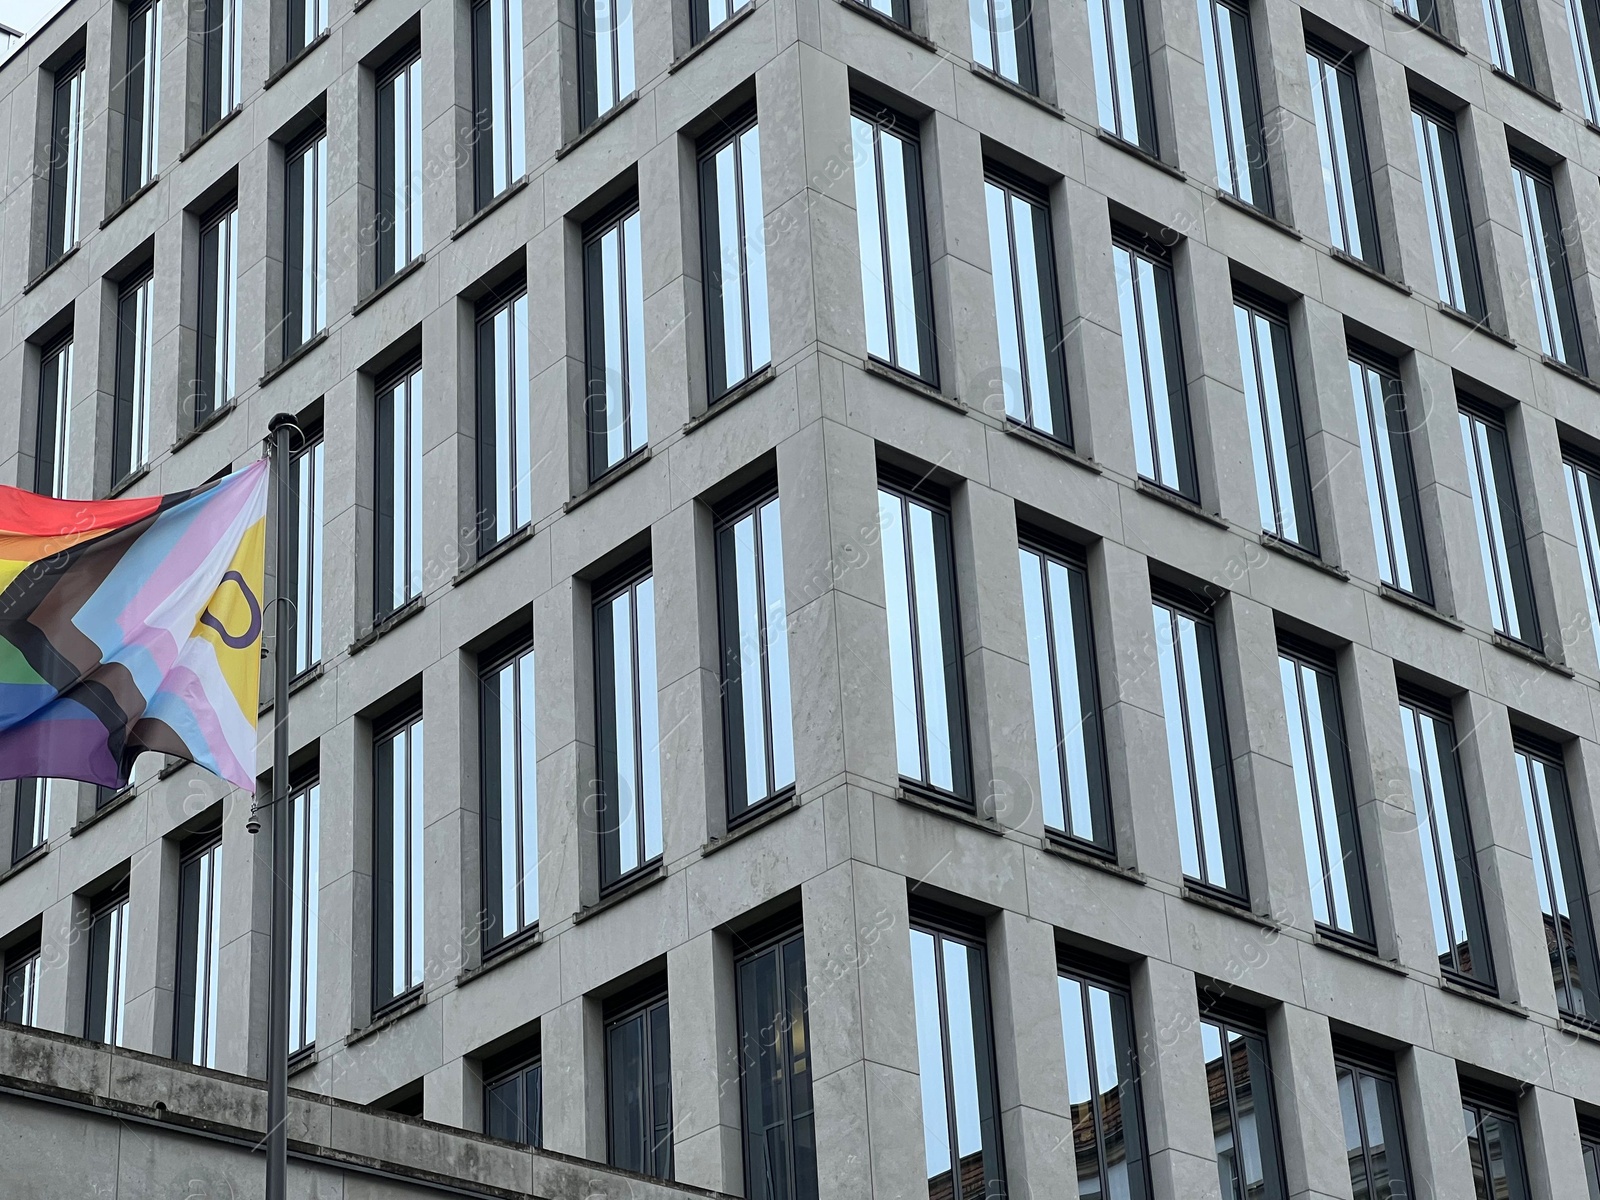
<point>279,430</point>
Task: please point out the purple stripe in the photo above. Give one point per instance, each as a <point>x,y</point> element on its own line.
<point>62,748</point>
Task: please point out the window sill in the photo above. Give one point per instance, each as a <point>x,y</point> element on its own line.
<point>26,861</point>
<point>1424,27</point>
<point>1525,86</point>
<point>299,683</point>
<point>395,1012</point>
<point>1233,908</point>
<point>398,617</point>
<point>305,53</point>
<point>1407,600</point>
<point>1578,1028</point>
<point>223,122</point>
<point>1446,984</point>
<point>512,189</point>
<point>1367,269</point>
<point>516,946</point>
<point>1139,152</point>
<point>1062,848</point>
<point>889,23</point>
<point>303,1059</point>
<point>1167,496</point>
<point>493,554</point>
<point>946,805</point>
<point>1570,371</point>
<point>1051,446</point>
<point>1301,555</point>
<point>127,481</point>
<point>1481,324</point>
<point>716,35</point>
<point>621,471</point>
<point>1259,214</point>
<point>600,122</point>
<point>911,383</point>
<point>303,350</point>
<point>749,822</point>
<point>51,269</point>
<point>389,284</point>
<point>645,878</point>
<point>1361,954</point>
<point>212,419</point>
<point>1529,653</point>
<point>120,801</point>
<point>731,397</point>
<point>129,201</point>
<point>1016,89</point>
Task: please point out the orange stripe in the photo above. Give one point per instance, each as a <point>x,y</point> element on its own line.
<point>33,516</point>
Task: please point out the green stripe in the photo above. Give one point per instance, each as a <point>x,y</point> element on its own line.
<point>14,668</point>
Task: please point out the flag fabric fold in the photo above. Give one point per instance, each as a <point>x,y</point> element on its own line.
<point>129,626</point>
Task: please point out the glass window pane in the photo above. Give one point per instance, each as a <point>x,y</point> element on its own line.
<point>892,241</point>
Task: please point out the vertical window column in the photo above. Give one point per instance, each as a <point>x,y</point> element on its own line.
<point>217,307</point>
<point>199,955</point>
<point>30,818</point>
<point>130,447</point>
<point>1501,542</point>
<point>399,166</point>
<point>141,96</point>
<point>397,876</point>
<point>308,20</point>
<point>775,1071</point>
<point>19,986</point>
<point>1277,434</point>
<point>605,59</point>
<point>397,502</point>
<point>53,422</point>
<point>1097,1028</point>
<point>222,66</point>
<point>628,732</point>
<point>1244,1119</point>
<point>505,423</point>
<point>65,165</point>
<point>1508,39</point>
<point>1237,140</point>
<point>306,565</point>
<point>499,143</point>
<point>733,248</point>
<point>1444,195</point>
<point>1374,1137</point>
<point>510,795</point>
<point>108,970</point>
<point>1002,40</point>
<point>1152,354</point>
<point>1383,425</point>
<point>305,242</point>
<point>513,1096</point>
<point>1027,306</point>
<point>1494,1145</point>
<point>305,823</point>
<point>1342,146</point>
<point>1123,92</point>
<point>613,292</point>
<point>639,1087</point>
<point>1554,305</point>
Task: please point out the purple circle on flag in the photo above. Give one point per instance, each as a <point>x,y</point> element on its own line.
<point>253,631</point>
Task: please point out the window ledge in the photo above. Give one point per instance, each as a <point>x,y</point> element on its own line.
<point>1367,269</point>
<point>1407,600</point>
<point>26,861</point>
<point>643,879</point>
<point>1424,27</point>
<point>1239,909</point>
<point>303,1059</point>
<point>1525,86</point>
<point>291,64</point>
<point>129,201</point>
<point>1578,1029</point>
<point>1259,214</point>
<point>223,122</point>
<point>911,383</point>
<point>1016,89</point>
<point>397,1011</point>
<point>1361,954</point>
<point>51,269</point>
<point>299,683</point>
<point>494,554</point>
<point>889,23</point>
<point>1167,496</point>
<point>214,418</point>
<point>621,471</point>
<point>1529,653</point>
<point>127,481</point>
<point>303,350</point>
<point>1570,371</point>
<point>514,188</point>
<point>1139,152</point>
<point>398,617</point>
<point>731,397</point>
<point>515,947</point>
<point>389,284</point>
<point>1481,324</point>
<point>716,35</point>
<point>1446,984</point>
<point>770,812</point>
<point>1051,446</point>
<point>600,122</point>
<point>945,805</point>
<point>120,801</point>
<point>1062,848</point>
<point>1301,555</point>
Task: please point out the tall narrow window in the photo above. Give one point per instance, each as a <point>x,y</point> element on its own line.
<point>1244,1120</point>
<point>758,728</point>
<point>19,988</point>
<point>1122,71</point>
<point>505,435</point>
<point>707,15</point>
<point>1449,854</point>
<point>1237,140</point>
<point>499,144</point>
<point>130,447</point>
<point>1374,1138</point>
<point>893,239</point>
<point>30,818</point>
<point>222,76</point>
<point>627,729</point>
<point>399,165</point>
<point>1107,1111</point>
<point>1494,1145</point>
<point>510,795</point>
<point>214,353</point>
<point>53,423</point>
<point>308,20</point>
<point>66,161</point>
<point>955,1055</point>
<point>1330,832</point>
<point>307,561</point>
<point>305,242</point>
<point>613,291</point>
<point>1152,354</point>
<point>1197,749</point>
<point>925,666</point>
<point>639,1087</point>
<point>1342,143</point>
<point>397,500</point>
<point>1558,871</point>
<point>108,971</point>
<point>1583,22</point>
<point>1002,40</point>
<point>1508,39</point>
<point>199,955</point>
<point>513,1096</point>
<point>733,249</point>
<point>1066,696</point>
<point>141,96</point>
<point>1553,302</point>
<point>1392,503</point>
<point>605,60</point>
<point>1444,196</point>
<point>1500,538</point>
<point>1277,438</point>
<point>780,1145</point>
<point>305,856</point>
<point>397,860</point>
<point>1589,1140</point>
<point>1583,492</point>
<point>1027,307</point>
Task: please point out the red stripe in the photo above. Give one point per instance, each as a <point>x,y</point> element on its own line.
<point>41,516</point>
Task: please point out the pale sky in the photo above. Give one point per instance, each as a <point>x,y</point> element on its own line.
<point>27,15</point>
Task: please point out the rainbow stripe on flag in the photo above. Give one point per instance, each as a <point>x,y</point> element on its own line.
<point>132,625</point>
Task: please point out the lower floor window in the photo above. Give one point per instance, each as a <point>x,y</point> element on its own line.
<point>639,1087</point>
<point>1243,1120</point>
<point>1494,1146</point>
<point>1369,1104</point>
<point>513,1097</point>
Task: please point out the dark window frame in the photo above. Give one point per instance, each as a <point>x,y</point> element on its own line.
<point>1480,1104</point>
<point>387,201</point>
<point>612,874</point>
<point>104,1001</point>
<point>408,718</point>
<point>308,149</point>
<point>1256,170</point>
<point>486,354</point>
<point>1523,602</point>
<point>785,947</point>
<point>731,136</point>
<point>521,1067</point>
<point>1226,1017</point>
<point>195,950</point>
<point>1141,88</point>
<point>214,268</point>
<point>1144,250</point>
<point>141,82</point>
<point>516,652</point>
<point>1464,273</point>
<point>386,507</point>
<point>1366,1062</point>
<point>1407,501</point>
<point>630,297</point>
<point>64,160</point>
<point>135,342</point>
<point>1555,310</point>
<point>1259,310</point>
<point>649,1005</point>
